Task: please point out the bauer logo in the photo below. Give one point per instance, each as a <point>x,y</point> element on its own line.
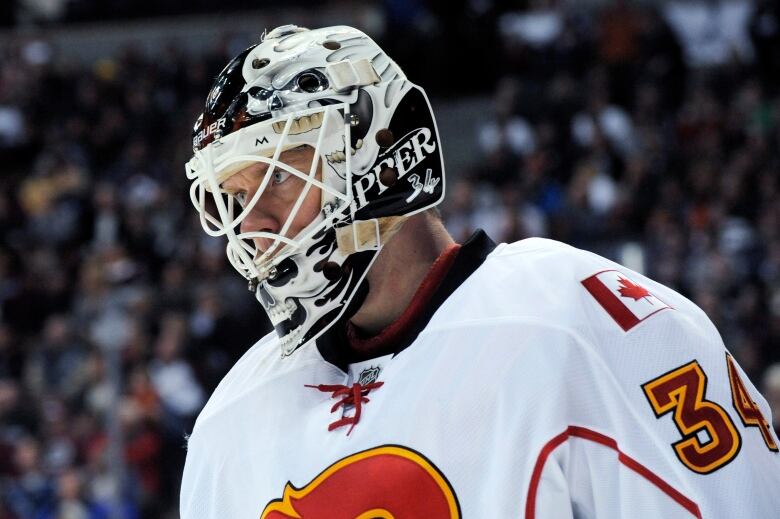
<point>206,132</point>
<point>627,302</point>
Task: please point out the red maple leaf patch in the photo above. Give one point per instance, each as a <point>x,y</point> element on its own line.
<point>630,289</point>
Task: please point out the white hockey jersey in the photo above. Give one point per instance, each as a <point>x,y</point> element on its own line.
<point>546,382</point>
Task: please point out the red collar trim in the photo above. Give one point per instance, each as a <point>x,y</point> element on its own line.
<point>397,328</point>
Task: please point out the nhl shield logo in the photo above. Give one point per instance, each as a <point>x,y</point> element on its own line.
<point>369,375</point>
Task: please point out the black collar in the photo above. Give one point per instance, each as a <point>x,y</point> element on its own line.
<point>333,343</point>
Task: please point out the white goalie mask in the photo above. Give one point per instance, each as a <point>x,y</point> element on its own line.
<point>377,159</point>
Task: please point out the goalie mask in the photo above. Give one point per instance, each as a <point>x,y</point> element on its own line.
<point>333,93</point>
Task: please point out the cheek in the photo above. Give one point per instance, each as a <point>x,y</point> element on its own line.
<point>312,203</point>
<point>310,208</point>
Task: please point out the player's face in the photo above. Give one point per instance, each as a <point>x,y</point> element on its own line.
<point>275,205</point>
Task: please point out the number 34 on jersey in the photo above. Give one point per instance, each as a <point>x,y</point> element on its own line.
<point>709,437</point>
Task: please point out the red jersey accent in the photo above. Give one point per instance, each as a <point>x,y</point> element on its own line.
<point>625,459</point>
<point>425,291</point>
<point>355,395</point>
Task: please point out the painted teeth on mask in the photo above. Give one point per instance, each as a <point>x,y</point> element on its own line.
<point>300,125</point>
<point>281,312</point>
<point>316,120</point>
<point>340,156</point>
<point>336,157</point>
<point>358,145</point>
<point>289,341</point>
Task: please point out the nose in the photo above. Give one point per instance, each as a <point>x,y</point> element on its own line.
<point>261,219</point>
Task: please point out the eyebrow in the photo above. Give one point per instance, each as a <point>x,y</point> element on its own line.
<point>295,152</point>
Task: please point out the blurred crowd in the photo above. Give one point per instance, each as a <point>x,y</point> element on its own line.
<point>119,316</point>
<point>117,310</point>
<point>64,12</point>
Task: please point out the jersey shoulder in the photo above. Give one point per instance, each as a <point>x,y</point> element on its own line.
<point>262,378</point>
<point>577,281</point>
<point>253,366</point>
<point>552,284</point>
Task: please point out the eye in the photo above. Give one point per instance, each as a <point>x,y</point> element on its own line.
<point>279,177</point>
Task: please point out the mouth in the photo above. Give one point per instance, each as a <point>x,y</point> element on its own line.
<point>300,125</point>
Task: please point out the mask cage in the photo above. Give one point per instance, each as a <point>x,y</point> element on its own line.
<point>221,213</point>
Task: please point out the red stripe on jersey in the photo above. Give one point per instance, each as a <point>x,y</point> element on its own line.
<point>625,459</point>
<point>371,346</point>
<point>607,299</point>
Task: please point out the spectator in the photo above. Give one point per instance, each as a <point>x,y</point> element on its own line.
<point>712,33</point>
<point>31,491</point>
<point>71,503</point>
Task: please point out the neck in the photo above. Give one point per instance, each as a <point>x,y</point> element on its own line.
<point>399,270</point>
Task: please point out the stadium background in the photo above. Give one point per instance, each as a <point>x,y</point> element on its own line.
<point>645,131</point>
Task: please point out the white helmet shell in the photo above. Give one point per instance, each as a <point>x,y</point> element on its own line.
<point>377,160</point>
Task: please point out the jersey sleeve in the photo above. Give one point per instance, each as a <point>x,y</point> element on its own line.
<point>627,403</point>
<point>650,426</point>
<point>583,473</point>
